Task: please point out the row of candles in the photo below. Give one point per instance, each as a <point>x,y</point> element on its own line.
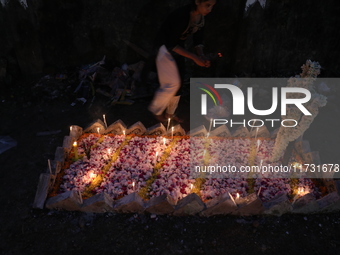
<point>76,156</point>
<point>300,192</point>
<point>167,129</point>
<point>124,132</point>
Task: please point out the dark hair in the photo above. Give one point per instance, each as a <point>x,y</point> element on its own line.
<point>193,3</point>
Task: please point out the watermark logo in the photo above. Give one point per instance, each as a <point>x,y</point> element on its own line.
<point>238,100</point>
<point>213,95</point>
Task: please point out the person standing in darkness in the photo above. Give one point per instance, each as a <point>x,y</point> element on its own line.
<point>179,25</point>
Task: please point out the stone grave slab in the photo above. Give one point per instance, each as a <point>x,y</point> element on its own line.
<point>131,203</point>
<point>96,127</point>
<point>69,201</point>
<point>241,131</point>
<point>276,200</point>
<point>221,131</point>
<point>280,208</point>
<point>220,205</point>
<point>200,131</point>
<point>189,205</point>
<point>60,155</point>
<point>163,204</point>
<point>67,143</point>
<point>176,131</point>
<point>157,130</point>
<point>99,203</point>
<point>305,204</point>
<point>136,129</point>
<point>250,205</point>
<point>75,132</point>
<point>42,190</point>
<point>329,202</point>
<point>260,132</point>
<point>117,128</point>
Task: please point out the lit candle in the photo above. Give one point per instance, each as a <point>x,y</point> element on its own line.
<point>252,126</point>
<point>109,153</point>
<point>172,132</point>
<point>237,196</point>
<point>133,185</point>
<point>105,121</point>
<point>257,129</point>
<point>92,175</point>
<point>211,120</point>
<point>300,192</point>
<point>164,141</point>
<point>124,132</point>
<point>49,166</point>
<point>258,193</point>
<point>98,129</point>
<point>303,191</point>
<point>191,186</point>
<point>258,145</point>
<point>75,150</point>
<point>232,199</point>
<point>156,158</point>
<point>167,127</point>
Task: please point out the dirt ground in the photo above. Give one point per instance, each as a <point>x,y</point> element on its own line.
<point>30,231</point>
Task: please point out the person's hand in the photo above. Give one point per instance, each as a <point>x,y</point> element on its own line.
<point>207,63</point>
<point>206,60</point>
<point>200,61</point>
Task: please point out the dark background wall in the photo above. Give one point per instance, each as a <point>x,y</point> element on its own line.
<point>51,36</point>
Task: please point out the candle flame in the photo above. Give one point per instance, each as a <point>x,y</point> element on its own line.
<point>191,186</point>
<point>297,165</point>
<point>74,144</point>
<point>237,195</point>
<point>302,191</point>
<point>133,184</point>
<point>123,132</point>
